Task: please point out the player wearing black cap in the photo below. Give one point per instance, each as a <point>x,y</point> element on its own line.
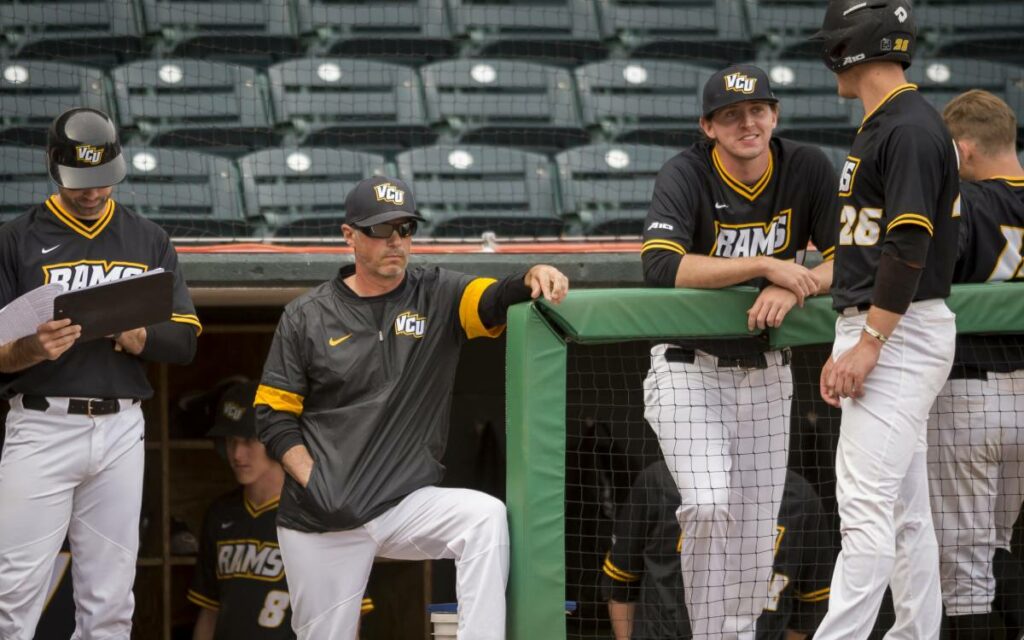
<point>895,336</point>
<point>354,402</point>
<point>73,456</point>
<point>737,208</point>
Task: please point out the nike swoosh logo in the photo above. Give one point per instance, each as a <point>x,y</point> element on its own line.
<point>336,341</point>
<point>719,205</point>
<point>45,251</point>
<point>225,525</point>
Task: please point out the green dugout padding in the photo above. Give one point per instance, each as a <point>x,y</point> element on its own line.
<point>535,384</point>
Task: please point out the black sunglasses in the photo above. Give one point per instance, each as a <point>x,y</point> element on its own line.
<point>384,230</point>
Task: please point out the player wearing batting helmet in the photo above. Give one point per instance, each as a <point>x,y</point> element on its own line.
<point>73,455</point>
<point>895,336</point>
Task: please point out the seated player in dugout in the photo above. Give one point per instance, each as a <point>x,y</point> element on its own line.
<point>976,427</point>
<point>240,583</point>
<point>354,402</point>
<point>739,207</point>
<point>643,585</point>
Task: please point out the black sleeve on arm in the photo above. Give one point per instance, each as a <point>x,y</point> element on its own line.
<point>281,394</point>
<point>824,204</point>
<point>170,342</point>
<point>668,228</point>
<point>497,298</point>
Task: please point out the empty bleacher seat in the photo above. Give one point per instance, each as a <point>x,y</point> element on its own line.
<point>300,192</point>
<point>990,30</point>
<point>645,101</point>
<point>346,102</point>
<point>34,92</point>
<point>396,30</point>
<point>606,188</point>
<point>709,30</point>
<point>809,107</point>
<point>244,31</point>
<point>189,194</point>
<point>98,32</point>
<point>783,30</point>
<point>504,102</point>
<point>554,31</point>
<point>194,103</point>
<point>24,181</point>
<point>941,79</point>
<point>465,190</point>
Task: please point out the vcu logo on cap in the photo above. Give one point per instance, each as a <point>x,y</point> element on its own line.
<point>89,154</point>
<point>388,192</point>
<point>740,83</point>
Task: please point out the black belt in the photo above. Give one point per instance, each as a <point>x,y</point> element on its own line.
<point>82,406</point>
<point>856,309</point>
<point>745,361</point>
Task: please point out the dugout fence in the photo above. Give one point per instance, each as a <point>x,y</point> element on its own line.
<point>578,365</point>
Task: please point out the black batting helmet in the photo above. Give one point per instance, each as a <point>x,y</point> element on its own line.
<point>83,151</point>
<point>856,31</point>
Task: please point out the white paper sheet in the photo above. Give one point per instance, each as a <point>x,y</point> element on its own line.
<point>21,317</point>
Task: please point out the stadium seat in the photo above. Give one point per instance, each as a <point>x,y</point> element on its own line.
<point>466,190</point>
<point>551,31</point>
<point>194,103</point>
<point>96,32</point>
<point>34,92</point>
<point>782,30</point>
<point>643,101</point>
<point>504,102</point>
<point>809,107</point>
<point>606,188</point>
<point>697,30</point>
<point>24,181</point>
<point>244,31</point>
<point>189,194</point>
<point>413,31</point>
<point>837,155</point>
<point>942,79</point>
<point>301,192</point>
<point>990,30</point>
<point>351,103</point>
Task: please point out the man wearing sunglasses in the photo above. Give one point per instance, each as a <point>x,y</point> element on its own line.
<point>354,402</point>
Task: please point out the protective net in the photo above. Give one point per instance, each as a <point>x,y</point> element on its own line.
<point>531,119</point>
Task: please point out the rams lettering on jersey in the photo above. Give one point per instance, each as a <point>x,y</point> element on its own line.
<point>754,239</point>
<point>251,559</point>
<point>88,273</point>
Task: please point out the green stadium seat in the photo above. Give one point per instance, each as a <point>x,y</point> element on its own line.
<point>350,103</point>
<point>413,31</point>
<point>96,32</point>
<point>256,32</point>
<point>643,101</point>
<point>696,30</point>
<point>606,188</point>
<point>782,30</point>
<point>24,181</point>
<point>989,30</point>
<point>34,92</point>
<point>810,110</point>
<point>504,102</point>
<point>551,31</point>
<point>942,79</point>
<point>190,194</point>
<point>467,190</point>
<point>300,192</point>
<point>194,103</point>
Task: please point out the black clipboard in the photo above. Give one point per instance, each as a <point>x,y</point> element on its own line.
<point>120,305</point>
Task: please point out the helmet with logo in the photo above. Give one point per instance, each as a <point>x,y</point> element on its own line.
<point>83,151</point>
<point>856,31</point>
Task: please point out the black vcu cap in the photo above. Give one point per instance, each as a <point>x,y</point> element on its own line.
<point>738,83</point>
<point>379,199</point>
<point>235,413</point>
<point>856,31</point>
<point>83,150</point>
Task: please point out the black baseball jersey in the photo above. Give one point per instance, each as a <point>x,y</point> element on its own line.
<point>240,573</point>
<point>49,245</point>
<point>902,175</point>
<point>991,250</point>
<point>698,207</point>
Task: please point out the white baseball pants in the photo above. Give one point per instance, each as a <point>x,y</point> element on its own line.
<point>725,436</point>
<point>976,472</point>
<point>882,481</point>
<point>78,476</point>
<point>327,572</point>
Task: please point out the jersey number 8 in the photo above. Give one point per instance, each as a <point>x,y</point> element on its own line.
<point>274,607</point>
<point>859,227</point>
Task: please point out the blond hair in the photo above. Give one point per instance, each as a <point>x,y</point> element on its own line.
<point>984,118</point>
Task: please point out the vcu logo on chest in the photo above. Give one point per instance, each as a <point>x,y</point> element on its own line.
<point>847,175</point>
<point>753,239</point>
<point>410,324</point>
<point>740,83</point>
<point>88,273</point>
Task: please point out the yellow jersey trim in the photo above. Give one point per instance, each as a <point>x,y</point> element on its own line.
<point>749,192</point>
<point>1013,181</point>
<point>89,231</point>
<point>202,601</point>
<point>911,218</point>
<point>667,245</point>
<point>258,510</point>
<point>616,573</point>
<point>188,318</point>
<point>469,310</point>
<point>889,96</point>
<point>279,399</point>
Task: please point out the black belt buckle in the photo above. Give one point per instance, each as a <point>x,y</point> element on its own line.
<point>93,406</point>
